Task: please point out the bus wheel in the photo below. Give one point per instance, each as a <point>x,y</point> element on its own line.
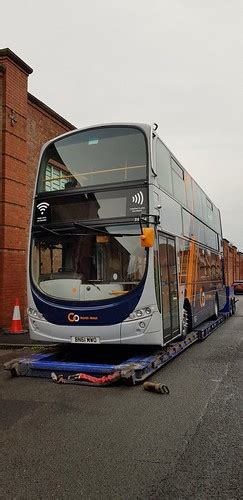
<point>186,322</point>
<point>216,308</point>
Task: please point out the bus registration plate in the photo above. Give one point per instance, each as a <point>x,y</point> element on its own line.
<point>85,340</point>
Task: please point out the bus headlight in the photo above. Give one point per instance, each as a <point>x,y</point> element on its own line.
<point>34,313</point>
<point>148,310</point>
<point>144,312</point>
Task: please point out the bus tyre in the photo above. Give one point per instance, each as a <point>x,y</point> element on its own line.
<point>186,321</point>
<point>216,308</point>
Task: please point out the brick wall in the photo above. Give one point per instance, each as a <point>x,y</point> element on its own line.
<point>25,124</point>
<point>14,147</point>
<point>233,263</point>
<point>2,70</point>
<point>241,266</point>
<point>43,125</point>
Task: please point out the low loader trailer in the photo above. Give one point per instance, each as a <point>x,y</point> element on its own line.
<point>124,364</point>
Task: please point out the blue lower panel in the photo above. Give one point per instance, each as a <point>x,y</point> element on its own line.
<point>71,367</point>
<point>229,298</point>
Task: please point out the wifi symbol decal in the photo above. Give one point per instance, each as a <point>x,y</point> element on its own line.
<point>42,207</point>
<point>138,198</point>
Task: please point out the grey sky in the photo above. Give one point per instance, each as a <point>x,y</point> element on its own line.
<point>176,62</point>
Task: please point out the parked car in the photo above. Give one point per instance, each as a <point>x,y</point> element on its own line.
<point>238,286</point>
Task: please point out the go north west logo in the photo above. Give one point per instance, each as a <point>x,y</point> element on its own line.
<point>75,318</point>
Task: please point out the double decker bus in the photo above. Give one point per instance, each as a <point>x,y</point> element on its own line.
<point>125,247</point>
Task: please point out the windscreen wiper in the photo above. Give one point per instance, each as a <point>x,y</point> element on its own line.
<point>49,230</point>
<point>91,228</point>
<point>61,233</point>
<point>96,230</point>
<point>91,282</point>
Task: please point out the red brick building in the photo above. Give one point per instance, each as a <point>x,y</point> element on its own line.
<point>25,125</point>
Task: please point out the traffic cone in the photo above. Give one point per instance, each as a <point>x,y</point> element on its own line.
<point>16,325</point>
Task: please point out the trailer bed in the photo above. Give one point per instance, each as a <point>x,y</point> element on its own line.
<point>106,365</point>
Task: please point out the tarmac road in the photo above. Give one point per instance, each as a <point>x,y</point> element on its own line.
<point>123,442</point>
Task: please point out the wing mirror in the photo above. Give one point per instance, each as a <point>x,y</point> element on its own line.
<point>147,237</point>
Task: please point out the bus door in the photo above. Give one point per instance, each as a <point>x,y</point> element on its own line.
<point>169,287</point>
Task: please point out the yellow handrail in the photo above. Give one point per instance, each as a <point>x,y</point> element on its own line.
<point>95,172</point>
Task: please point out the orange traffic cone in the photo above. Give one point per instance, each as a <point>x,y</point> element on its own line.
<point>16,325</point>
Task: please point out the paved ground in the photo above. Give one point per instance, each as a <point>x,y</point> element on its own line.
<point>16,339</point>
<point>124,443</point>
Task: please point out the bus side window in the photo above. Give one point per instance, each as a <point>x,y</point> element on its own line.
<point>163,166</point>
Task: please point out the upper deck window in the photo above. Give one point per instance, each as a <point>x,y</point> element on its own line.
<point>94,157</point>
<point>179,188</point>
<point>177,168</point>
<point>209,204</point>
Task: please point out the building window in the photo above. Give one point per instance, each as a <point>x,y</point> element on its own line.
<point>55,178</point>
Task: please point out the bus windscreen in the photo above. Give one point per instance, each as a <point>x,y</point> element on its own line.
<point>90,265</point>
<point>98,156</point>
